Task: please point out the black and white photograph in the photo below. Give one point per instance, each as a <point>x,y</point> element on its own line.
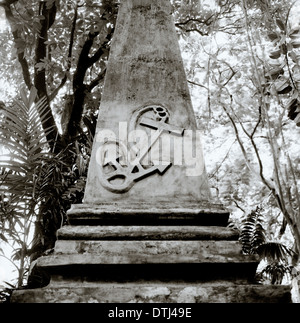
<point>149,155</point>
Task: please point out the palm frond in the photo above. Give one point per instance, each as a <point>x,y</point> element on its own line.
<point>274,252</point>
<point>276,272</point>
<point>23,141</point>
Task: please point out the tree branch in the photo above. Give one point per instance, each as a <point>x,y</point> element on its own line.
<point>230,77</point>
<point>278,197</point>
<point>253,143</point>
<point>96,81</point>
<point>238,138</point>
<point>83,61</point>
<point>198,84</point>
<point>21,56</point>
<point>79,87</point>
<point>48,123</point>
<point>200,21</point>
<point>72,37</point>
<point>239,207</point>
<point>193,29</point>
<point>100,50</point>
<point>221,163</point>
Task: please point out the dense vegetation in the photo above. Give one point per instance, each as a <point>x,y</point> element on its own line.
<point>242,62</point>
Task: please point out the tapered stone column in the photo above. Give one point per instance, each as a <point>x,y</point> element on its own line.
<point>147,159</point>
<point>148,230</point>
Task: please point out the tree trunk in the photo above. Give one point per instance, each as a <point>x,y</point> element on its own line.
<point>40,84</point>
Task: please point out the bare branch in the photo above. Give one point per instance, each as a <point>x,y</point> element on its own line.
<point>96,81</point>
<point>240,142</point>
<point>226,156</point>
<point>198,84</point>
<point>257,123</point>
<point>238,206</point>
<point>200,21</point>
<point>193,29</point>
<point>230,77</point>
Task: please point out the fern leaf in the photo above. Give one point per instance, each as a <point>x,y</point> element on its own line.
<point>252,232</point>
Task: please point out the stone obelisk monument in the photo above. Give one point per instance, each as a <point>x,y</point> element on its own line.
<point>147,154</point>
<point>148,229</point>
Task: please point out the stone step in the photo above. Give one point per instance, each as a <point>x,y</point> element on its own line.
<point>112,260</point>
<point>156,293</point>
<point>139,252</point>
<point>71,232</point>
<point>147,253</point>
<point>62,273</point>
<point>203,214</point>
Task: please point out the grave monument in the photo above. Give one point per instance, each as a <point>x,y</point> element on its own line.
<point>148,229</point>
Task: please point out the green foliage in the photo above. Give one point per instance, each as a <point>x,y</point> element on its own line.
<point>276,255</point>
<point>275,273</point>
<point>252,233</point>
<point>41,170</point>
<point>190,17</point>
<point>32,178</point>
<point>21,167</point>
<point>283,76</point>
<point>235,83</point>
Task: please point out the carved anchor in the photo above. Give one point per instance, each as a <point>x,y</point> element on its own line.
<point>130,175</point>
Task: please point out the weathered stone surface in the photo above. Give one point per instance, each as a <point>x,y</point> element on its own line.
<point>152,260</point>
<point>145,70</point>
<point>157,293</point>
<point>141,252</point>
<point>296,289</point>
<point>168,213</point>
<point>146,233</point>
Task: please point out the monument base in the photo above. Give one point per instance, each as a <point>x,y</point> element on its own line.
<point>148,263</point>
<point>156,293</point>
